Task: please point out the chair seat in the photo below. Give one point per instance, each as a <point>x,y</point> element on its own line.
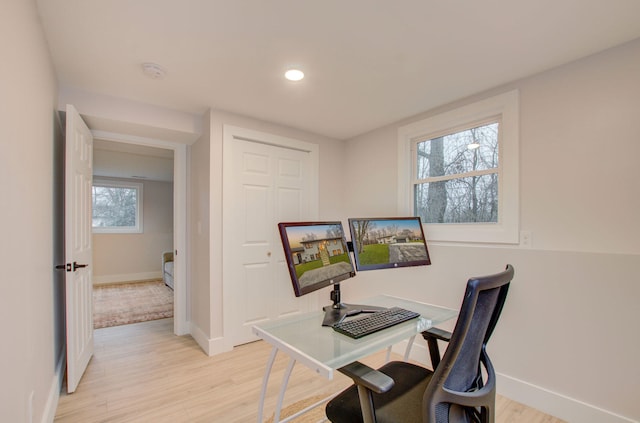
<point>395,406</point>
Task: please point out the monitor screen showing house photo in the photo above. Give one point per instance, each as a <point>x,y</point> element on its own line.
<point>380,243</point>
<point>316,254</point>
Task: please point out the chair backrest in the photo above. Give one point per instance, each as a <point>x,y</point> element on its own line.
<point>460,367</point>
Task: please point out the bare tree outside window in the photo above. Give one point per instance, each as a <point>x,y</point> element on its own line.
<point>457,177</point>
<point>116,207</point>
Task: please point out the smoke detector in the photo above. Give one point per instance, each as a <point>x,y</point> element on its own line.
<point>153,70</point>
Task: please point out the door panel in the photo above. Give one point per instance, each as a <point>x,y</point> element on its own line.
<point>78,254</point>
<point>257,287</point>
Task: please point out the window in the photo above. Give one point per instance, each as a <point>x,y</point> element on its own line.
<point>117,207</point>
<point>458,171</point>
<point>456,176</point>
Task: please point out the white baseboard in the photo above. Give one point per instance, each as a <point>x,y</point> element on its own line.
<point>199,336</point>
<point>555,404</point>
<point>542,399</point>
<point>104,279</point>
<point>211,346</point>
<point>53,397</point>
<point>218,346</point>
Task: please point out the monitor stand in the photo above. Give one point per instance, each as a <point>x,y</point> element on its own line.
<point>337,312</point>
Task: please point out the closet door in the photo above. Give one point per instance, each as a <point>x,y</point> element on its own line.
<point>267,182</point>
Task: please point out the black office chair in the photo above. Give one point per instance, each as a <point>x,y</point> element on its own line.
<point>458,390</point>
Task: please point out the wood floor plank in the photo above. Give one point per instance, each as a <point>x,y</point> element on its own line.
<point>143,373</point>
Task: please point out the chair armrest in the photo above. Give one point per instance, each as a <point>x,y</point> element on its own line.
<point>367,381</point>
<point>368,377</point>
<point>432,335</point>
<point>441,334</point>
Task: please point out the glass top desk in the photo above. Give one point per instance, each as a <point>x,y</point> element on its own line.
<point>304,339</point>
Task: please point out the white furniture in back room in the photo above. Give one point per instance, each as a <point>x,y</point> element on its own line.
<point>167,268</point>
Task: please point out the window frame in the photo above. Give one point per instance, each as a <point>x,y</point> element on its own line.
<point>138,228</point>
<point>505,109</point>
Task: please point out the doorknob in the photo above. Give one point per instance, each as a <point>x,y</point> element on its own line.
<point>78,266</point>
<point>68,266</point>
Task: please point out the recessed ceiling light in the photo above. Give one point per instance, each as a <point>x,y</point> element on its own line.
<point>294,74</point>
<point>153,70</point>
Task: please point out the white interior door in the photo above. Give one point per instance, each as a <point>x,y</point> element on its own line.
<point>78,256</point>
<point>266,182</point>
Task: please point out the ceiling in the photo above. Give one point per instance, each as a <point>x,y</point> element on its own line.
<point>368,63</point>
<point>131,161</point>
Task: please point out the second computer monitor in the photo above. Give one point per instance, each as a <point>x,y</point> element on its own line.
<point>380,243</point>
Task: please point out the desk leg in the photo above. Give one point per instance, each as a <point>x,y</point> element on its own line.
<point>265,381</point>
<point>407,351</point>
<point>283,388</point>
<point>409,346</point>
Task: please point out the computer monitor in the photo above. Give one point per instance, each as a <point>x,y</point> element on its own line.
<point>317,256</point>
<point>391,242</point>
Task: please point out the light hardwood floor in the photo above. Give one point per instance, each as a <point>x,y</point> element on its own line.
<point>144,373</point>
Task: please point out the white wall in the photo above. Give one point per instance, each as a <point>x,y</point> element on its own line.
<point>115,115</point>
<point>33,331</point>
<point>567,342</point>
<point>198,272</point>
<point>129,257</point>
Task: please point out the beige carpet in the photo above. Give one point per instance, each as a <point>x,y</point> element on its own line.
<point>125,303</point>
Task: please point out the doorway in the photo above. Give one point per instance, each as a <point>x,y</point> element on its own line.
<point>132,233</point>
<point>177,151</point>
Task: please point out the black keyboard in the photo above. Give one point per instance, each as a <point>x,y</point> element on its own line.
<point>374,322</point>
